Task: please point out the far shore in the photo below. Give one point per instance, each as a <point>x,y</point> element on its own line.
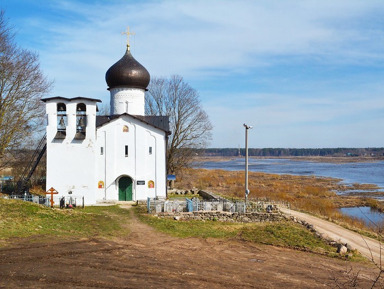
<point>321,159</point>
<point>343,195</point>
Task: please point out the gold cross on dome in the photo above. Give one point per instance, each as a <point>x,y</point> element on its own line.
<point>128,34</point>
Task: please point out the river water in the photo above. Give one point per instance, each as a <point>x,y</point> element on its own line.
<point>364,173</point>
<point>349,173</point>
<point>369,216</point>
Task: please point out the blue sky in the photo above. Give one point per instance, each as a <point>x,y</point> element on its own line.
<point>304,74</point>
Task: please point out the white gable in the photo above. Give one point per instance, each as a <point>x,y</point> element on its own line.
<point>130,147</point>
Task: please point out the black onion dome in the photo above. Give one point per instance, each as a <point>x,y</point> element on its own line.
<point>127,72</point>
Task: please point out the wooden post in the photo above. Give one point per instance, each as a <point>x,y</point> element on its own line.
<point>52,192</point>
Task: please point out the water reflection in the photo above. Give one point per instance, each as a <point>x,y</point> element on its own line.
<point>370,217</point>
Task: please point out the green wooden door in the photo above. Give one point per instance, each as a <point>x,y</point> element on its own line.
<point>125,189</point>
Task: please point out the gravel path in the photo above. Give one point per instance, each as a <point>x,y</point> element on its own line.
<point>368,247</point>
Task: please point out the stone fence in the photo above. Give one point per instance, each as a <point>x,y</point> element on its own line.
<point>224,216</point>
<point>195,204</point>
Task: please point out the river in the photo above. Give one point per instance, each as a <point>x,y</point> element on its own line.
<point>363,173</point>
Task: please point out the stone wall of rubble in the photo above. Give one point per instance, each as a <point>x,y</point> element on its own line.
<point>223,216</point>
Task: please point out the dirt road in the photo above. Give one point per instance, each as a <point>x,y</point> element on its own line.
<point>146,258</point>
<point>368,247</point>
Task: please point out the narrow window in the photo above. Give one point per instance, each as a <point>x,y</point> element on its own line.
<point>126,151</point>
<point>150,150</point>
<point>101,150</point>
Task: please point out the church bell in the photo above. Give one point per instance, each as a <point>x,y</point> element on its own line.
<point>81,122</point>
<point>62,122</point>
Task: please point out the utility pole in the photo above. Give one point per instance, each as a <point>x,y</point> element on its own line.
<point>247,127</point>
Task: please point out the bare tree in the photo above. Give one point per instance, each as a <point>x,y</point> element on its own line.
<point>103,109</point>
<point>22,85</point>
<point>189,123</point>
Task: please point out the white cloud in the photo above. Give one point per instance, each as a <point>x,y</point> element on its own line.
<point>231,42</point>
<point>190,37</point>
<point>289,121</point>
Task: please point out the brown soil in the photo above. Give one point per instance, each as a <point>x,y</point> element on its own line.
<point>146,258</point>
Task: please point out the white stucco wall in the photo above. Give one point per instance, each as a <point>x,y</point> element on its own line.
<point>139,165</point>
<point>78,166</point>
<point>71,163</point>
<point>127,100</point>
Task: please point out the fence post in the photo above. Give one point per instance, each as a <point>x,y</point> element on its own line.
<point>189,205</point>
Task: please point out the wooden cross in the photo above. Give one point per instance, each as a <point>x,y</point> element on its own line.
<point>52,191</point>
<point>128,34</point>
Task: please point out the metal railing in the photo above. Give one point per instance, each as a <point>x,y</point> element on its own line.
<point>224,205</point>
<point>60,201</point>
<point>29,198</point>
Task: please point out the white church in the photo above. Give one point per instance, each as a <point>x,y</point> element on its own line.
<point>119,157</point>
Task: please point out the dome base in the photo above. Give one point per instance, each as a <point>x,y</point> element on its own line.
<point>127,100</point>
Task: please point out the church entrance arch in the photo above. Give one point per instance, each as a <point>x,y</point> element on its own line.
<point>125,189</point>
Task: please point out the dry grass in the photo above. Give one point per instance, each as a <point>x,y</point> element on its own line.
<point>308,193</point>
<point>37,190</point>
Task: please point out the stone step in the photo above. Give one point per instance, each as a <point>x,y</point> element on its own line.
<point>125,202</point>
<point>106,202</point>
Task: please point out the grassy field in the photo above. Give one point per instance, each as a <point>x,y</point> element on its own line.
<point>19,219</point>
<point>25,219</point>
<point>282,234</point>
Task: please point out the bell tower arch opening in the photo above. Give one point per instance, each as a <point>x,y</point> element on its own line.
<point>61,120</point>
<point>81,121</point>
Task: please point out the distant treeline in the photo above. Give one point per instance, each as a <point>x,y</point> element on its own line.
<point>286,152</point>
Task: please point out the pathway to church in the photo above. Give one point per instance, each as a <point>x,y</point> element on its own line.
<point>368,247</point>
<point>148,259</point>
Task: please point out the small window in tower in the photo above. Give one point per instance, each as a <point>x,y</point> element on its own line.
<point>150,150</point>
<point>101,150</point>
<point>126,151</point>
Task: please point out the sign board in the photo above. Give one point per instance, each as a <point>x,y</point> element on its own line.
<point>171,177</point>
<point>140,183</point>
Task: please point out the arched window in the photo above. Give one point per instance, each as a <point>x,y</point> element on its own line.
<point>81,120</point>
<point>61,121</point>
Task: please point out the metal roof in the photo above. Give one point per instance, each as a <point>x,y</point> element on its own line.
<point>127,72</point>
<point>69,99</point>
<point>160,122</point>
